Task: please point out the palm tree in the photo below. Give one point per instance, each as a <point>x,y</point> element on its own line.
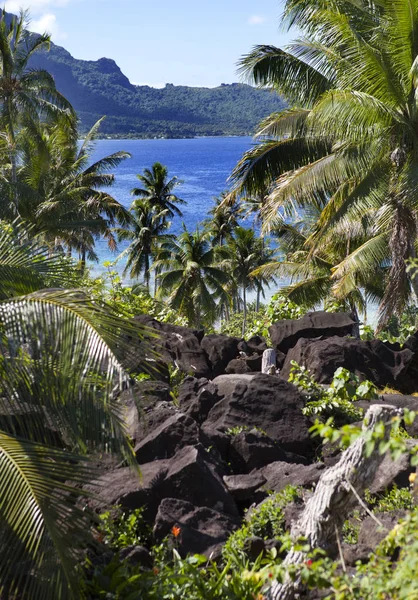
<point>60,374</point>
<point>188,273</point>
<point>313,278</point>
<point>147,228</point>
<point>349,146</point>
<point>25,93</point>
<point>158,190</point>
<point>63,194</point>
<point>223,220</point>
<point>241,256</point>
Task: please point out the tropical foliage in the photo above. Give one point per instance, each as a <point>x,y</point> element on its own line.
<point>347,147</point>
<point>58,404</point>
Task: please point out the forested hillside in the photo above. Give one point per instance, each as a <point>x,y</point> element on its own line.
<point>97,88</point>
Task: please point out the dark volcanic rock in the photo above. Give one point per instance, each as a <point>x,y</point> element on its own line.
<point>178,344</point>
<point>264,402</point>
<point>164,441</point>
<point>152,417</point>
<point>192,474</point>
<point>371,360</point>
<point>285,334</point>
<point>252,450</point>
<point>168,329</point>
<point>197,397</point>
<point>191,358</point>
<point>142,399</point>
<point>254,362</point>
<point>220,350</point>
<point>255,345</point>
<point>238,366</point>
<point>280,474</point>
<point>242,487</point>
<point>202,530</point>
<point>393,472</point>
<point>136,555</point>
<point>127,488</point>
<point>195,477</point>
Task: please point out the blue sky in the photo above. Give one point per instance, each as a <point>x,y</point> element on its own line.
<point>185,42</point>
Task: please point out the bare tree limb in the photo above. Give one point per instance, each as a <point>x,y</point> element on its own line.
<point>333,499</point>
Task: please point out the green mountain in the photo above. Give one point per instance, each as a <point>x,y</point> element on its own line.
<point>97,88</point>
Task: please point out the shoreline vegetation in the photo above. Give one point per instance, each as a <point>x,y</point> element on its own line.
<point>145,454</point>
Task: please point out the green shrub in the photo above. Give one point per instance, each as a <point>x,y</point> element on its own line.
<point>265,521</point>
<point>119,529</point>
<point>335,401</point>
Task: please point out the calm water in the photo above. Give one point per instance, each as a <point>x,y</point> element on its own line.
<point>203,164</point>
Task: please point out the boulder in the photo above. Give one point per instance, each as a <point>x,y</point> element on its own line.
<point>255,345</point>
<point>243,487</point>
<point>202,529</point>
<point>136,555</point>
<point>190,357</point>
<point>238,366</point>
<point>152,417</point>
<point>168,329</point>
<point>196,397</point>
<point>129,489</point>
<point>254,362</point>
<point>165,440</point>
<point>253,449</point>
<point>371,360</point>
<point>392,472</point>
<point>220,350</point>
<point>142,397</point>
<point>280,474</point>
<point>181,345</point>
<point>285,334</point>
<point>192,474</point>
<point>264,402</point>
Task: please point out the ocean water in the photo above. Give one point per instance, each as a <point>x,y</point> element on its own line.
<point>203,165</point>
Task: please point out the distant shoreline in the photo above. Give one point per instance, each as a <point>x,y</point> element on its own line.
<point>123,136</point>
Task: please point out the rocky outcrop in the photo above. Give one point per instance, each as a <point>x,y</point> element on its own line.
<point>371,360</point>
<point>267,403</point>
<point>286,333</point>
<point>202,530</point>
<point>220,350</point>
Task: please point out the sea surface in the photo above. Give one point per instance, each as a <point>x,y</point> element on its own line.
<point>203,165</point>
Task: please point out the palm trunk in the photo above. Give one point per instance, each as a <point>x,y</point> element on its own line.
<point>147,274</point>
<point>83,261</point>
<point>244,300</point>
<point>257,302</point>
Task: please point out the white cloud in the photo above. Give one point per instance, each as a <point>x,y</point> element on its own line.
<point>256,20</point>
<point>48,23</point>
<point>34,6</point>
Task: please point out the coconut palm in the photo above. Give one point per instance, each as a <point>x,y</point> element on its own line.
<point>60,381</point>
<point>350,142</point>
<point>223,220</point>
<point>25,93</point>
<point>244,253</point>
<point>147,227</point>
<point>189,275</point>
<point>158,190</point>
<point>313,278</point>
<point>63,194</point>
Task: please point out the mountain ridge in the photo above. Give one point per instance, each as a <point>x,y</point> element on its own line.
<point>100,88</point>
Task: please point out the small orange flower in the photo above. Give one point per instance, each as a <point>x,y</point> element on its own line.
<point>270,575</point>
<point>309,562</point>
<point>155,570</point>
<point>175,531</point>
